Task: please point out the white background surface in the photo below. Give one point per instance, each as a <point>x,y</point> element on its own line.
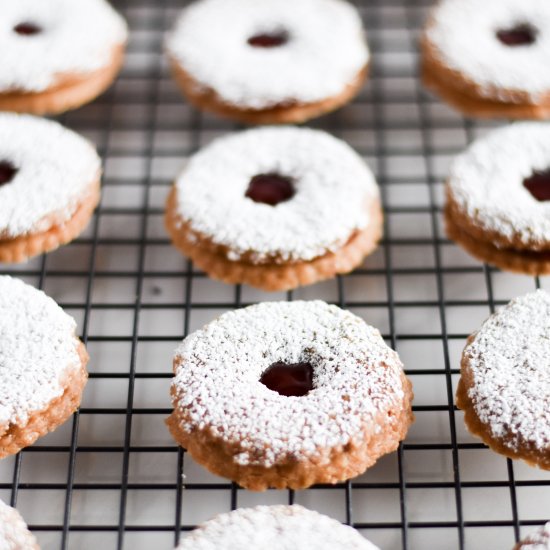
<point>424,294</point>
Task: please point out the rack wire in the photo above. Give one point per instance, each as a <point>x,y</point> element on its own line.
<point>112,476</point>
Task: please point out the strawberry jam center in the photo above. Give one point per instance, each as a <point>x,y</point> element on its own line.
<point>7,172</point>
<point>295,379</point>
<point>538,184</point>
<point>520,35</point>
<point>27,29</point>
<point>268,40</point>
<point>270,189</point>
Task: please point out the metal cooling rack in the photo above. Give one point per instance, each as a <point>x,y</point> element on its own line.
<point>112,477</point>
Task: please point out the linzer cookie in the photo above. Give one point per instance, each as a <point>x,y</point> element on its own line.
<point>539,540</point>
<point>269,527</point>
<point>59,54</point>
<point>274,61</point>
<point>504,388</point>
<point>275,208</point>
<point>288,394</point>
<point>14,534</point>
<point>49,185</point>
<point>43,365</point>
<point>497,198</point>
<point>490,58</point>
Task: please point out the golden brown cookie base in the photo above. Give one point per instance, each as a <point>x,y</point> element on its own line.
<point>70,92</point>
<point>274,276</point>
<point>528,544</point>
<point>22,248</point>
<point>528,453</point>
<point>514,242</point>
<point>13,438</point>
<point>333,466</point>
<point>208,100</point>
<point>518,261</point>
<point>465,96</point>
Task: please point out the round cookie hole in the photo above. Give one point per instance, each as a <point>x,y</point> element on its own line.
<point>270,189</point>
<point>294,379</point>
<point>7,172</point>
<point>27,28</point>
<point>519,35</point>
<point>269,39</point>
<point>538,184</point>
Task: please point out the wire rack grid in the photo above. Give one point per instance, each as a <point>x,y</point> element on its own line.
<point>112,477</point>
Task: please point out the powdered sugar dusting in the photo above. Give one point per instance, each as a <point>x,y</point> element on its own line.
<point>56,168</point>
<point>464,32</point>
<point>539,540</point>
<point>487,182</point>
<point>270,527</point>
<point>325,51</point>
<point>37,346</point>
<point>356,380</point>
<point>509,359</point>
<point>333,190</point>
<point>14,534</point>
<point>76,38</point>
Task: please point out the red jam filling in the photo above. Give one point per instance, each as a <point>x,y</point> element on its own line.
<point>269,40</point>
<point>27,29</point>
<point>520,35</point>
<point>538,184</point>
<point>270,189</point>
<point>7,171</point>
<point>294,379</point>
